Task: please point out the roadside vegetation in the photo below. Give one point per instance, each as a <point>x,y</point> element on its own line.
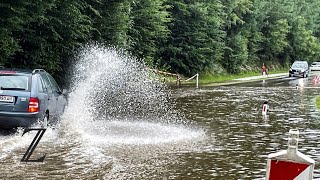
<point>218,39</point>
<point>228,77</point>
<point>217,78</point>
<point>318,102</point>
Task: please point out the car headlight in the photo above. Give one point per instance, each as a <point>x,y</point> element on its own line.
<point>302,70</point>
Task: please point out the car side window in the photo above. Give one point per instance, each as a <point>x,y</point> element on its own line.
<point>40,84</point>
<point>47,83</point>
<point>55,85</point>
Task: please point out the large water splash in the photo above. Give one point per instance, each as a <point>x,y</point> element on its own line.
<point>108,85</point>
<point>118,118</point>
<point>111,84</point>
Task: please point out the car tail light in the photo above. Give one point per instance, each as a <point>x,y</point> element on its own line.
<point>33,105</point>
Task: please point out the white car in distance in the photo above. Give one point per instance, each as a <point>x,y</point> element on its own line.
<point>315,66</point>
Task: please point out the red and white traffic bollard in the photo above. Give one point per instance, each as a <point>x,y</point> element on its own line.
<point>265,108</point>
<point>315,80</point>
<point>290,164</point>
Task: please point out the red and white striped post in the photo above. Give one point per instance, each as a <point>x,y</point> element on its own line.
<point>265,108</point>
<point>290,164</point>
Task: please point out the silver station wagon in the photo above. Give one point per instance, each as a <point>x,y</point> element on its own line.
<point>28,97</point>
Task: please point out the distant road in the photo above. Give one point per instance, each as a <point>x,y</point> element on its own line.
<point>280,80</point>
<point>262,77</point>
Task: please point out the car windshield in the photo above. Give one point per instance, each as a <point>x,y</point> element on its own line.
<point>298,65</point>
<point>316,63</point>
<point>14,82</point>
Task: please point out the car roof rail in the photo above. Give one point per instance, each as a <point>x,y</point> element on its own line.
<point>38,70</point>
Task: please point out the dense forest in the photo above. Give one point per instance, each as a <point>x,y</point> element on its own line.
<point>180,36</point>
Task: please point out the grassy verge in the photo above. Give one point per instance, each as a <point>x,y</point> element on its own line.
<point>318,102</point>
<point>226,78</point>
<point>230,77</point>
<point>219,78</point>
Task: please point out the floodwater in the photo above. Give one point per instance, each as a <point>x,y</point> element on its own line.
<point>239,137</point>
<point>118,125</point>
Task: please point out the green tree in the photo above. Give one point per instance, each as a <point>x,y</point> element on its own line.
<point>49,33</point>
<point>149,26</point>
<point>12,17</point>
<point>196,37</point>
<point>304,45</point>
<point>111,20</point>
<point>236,54</point>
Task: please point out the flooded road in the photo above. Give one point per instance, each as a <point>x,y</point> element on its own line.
<point>240,137</point>
<point>118,125</point>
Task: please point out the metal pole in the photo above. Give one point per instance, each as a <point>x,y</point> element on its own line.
<point>197,82</point>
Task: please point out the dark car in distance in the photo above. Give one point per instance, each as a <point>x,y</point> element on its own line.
<point>28,97</point>
<point>299,68</point>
